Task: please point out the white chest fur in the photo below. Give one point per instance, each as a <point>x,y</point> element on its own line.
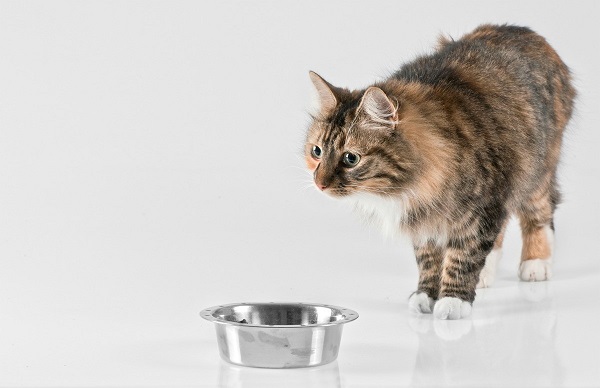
<point>389,213</point>
<point>385,213</point>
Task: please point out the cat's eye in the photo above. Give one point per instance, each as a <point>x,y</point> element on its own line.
<point>316,152</point>
<point>350,160</point>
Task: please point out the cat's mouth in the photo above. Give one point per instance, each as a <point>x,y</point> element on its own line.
<point>342,191</point>
<point>337,191</point>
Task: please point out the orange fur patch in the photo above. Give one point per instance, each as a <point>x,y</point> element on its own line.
<point>535,245</point>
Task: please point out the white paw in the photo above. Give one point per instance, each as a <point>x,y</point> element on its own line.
<point>451,308</point>
<point>535,270</point>
<point>488,273</point>
<point>420,302</point>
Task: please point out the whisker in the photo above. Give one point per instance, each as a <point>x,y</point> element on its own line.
<point>298,167</point>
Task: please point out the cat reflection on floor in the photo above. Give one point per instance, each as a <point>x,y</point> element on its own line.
<point>495,348</point>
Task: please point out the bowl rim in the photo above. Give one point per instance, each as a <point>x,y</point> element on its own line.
<point>349,315</point>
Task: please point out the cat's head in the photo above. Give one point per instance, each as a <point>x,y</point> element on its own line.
<point>355,142</point>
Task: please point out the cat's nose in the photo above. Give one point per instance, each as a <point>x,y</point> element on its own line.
<point>321,184</point>
<point>321,180</point>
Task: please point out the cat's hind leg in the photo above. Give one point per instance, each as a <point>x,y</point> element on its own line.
<point>537,230</point>
<point>488,273</point>
<point>536,256</point>
<point>429,260</point>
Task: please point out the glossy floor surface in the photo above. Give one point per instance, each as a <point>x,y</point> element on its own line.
<point>151,168</point>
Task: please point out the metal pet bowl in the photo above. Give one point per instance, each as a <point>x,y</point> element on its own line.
<point>279,335</point>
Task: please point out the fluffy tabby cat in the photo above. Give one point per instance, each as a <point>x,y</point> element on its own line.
<point>445,150</point>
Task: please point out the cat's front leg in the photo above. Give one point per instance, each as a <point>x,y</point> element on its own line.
<point>463,261</point>
<point>429,260</point>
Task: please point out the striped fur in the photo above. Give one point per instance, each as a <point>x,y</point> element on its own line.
<point>461,139</point>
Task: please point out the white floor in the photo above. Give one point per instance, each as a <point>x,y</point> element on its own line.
<point>520,334</point>
<point>150,168</point>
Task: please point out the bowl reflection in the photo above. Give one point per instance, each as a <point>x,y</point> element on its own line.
<point>233,376</point>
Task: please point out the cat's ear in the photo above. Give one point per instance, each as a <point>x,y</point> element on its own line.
<point>326,97</point>
<point>378,106</point>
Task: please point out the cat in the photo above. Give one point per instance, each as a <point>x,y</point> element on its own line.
<point>445,150</point>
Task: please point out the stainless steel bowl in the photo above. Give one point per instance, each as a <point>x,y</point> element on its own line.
<point>279,335</point>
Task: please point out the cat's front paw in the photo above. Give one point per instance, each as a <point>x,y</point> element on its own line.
<point>451,308</point>
<point>535,270</point>
<point>420,302</point>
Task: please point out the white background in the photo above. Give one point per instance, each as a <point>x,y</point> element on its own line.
<point>151,166</point>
